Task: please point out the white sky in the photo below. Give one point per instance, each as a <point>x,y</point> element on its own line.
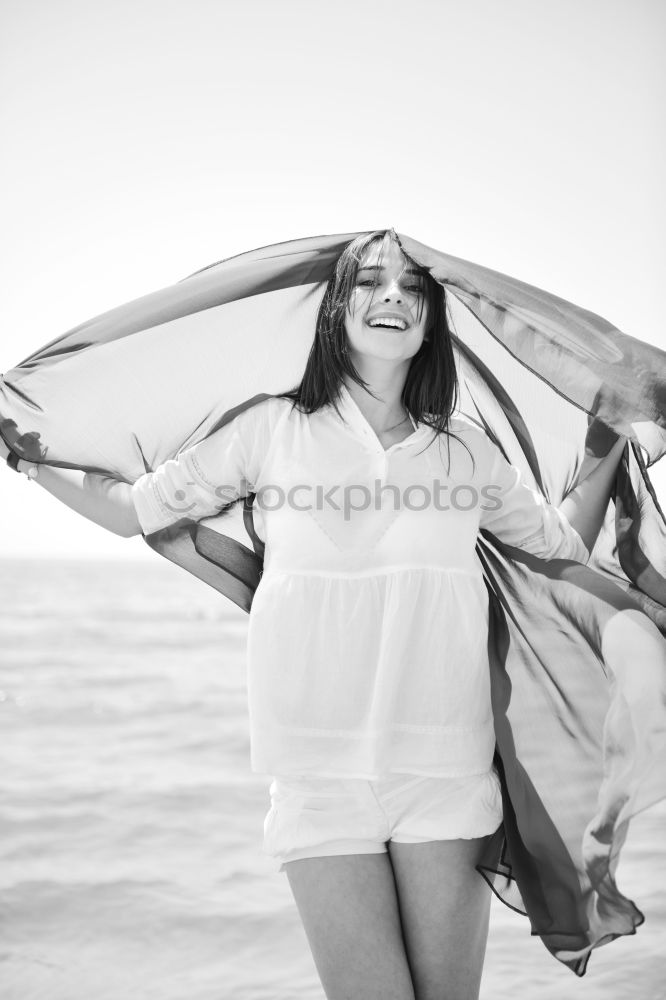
<point>145,139</point>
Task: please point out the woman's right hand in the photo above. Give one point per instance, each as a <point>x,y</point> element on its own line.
<point>105,501</point>
<point>27,445</point>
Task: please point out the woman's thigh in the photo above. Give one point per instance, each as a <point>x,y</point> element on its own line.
<point>349,908</point>
<point>445,908</point>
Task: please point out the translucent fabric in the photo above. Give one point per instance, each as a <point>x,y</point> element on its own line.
<point>576,652</point>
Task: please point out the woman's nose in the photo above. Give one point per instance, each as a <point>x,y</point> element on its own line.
<point>392,293</point>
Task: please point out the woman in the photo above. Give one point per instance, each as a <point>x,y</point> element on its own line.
<point>369,705</point>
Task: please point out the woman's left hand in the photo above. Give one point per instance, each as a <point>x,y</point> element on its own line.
<point>585,506</point>
<point>600,438</point>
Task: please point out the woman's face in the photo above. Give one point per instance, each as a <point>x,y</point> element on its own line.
<point>382,318</point>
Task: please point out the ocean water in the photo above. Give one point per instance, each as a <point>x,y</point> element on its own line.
<point>131,824</point>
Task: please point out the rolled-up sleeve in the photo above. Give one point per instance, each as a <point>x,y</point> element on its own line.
<point>202,480</point>
<point>520,516</point>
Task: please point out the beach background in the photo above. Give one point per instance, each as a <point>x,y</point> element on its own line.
<point>130,858</point>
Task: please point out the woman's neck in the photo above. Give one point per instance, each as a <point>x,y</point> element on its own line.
<point>384,411</point>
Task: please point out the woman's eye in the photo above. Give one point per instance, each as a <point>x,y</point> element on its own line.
<point>415,289</point>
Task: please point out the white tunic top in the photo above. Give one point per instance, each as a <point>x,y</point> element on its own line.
<point>367,643</point>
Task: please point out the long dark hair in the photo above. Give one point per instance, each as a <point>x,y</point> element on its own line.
<point>430,392</point>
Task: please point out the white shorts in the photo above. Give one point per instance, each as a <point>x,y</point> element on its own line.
<point>311,817</point>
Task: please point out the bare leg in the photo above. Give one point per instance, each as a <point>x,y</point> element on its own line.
<point>349,909</point>
<point>445,911</point>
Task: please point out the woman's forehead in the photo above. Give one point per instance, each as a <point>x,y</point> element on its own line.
<point>385,252</point>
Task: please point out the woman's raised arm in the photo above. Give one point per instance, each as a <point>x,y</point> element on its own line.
<point>199,482</point>
<point>106,501</point>
<point>585,506</point>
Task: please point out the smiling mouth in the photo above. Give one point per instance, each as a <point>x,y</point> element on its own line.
<point>387,324</point>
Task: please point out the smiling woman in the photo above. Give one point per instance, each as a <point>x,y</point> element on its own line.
<point>375,279</point>
<point>413,608</point>
<point>399,317</point>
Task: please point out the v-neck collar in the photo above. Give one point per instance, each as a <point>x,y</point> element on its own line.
<point>353,415</point>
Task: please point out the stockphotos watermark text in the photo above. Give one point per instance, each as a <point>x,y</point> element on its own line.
<point>349,497</point>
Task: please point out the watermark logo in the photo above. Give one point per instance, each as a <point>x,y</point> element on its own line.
<point>348,498</point>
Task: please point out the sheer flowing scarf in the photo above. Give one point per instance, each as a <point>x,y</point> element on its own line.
<point>580,722</point>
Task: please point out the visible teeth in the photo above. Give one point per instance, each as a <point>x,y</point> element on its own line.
<point>388,321</point>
